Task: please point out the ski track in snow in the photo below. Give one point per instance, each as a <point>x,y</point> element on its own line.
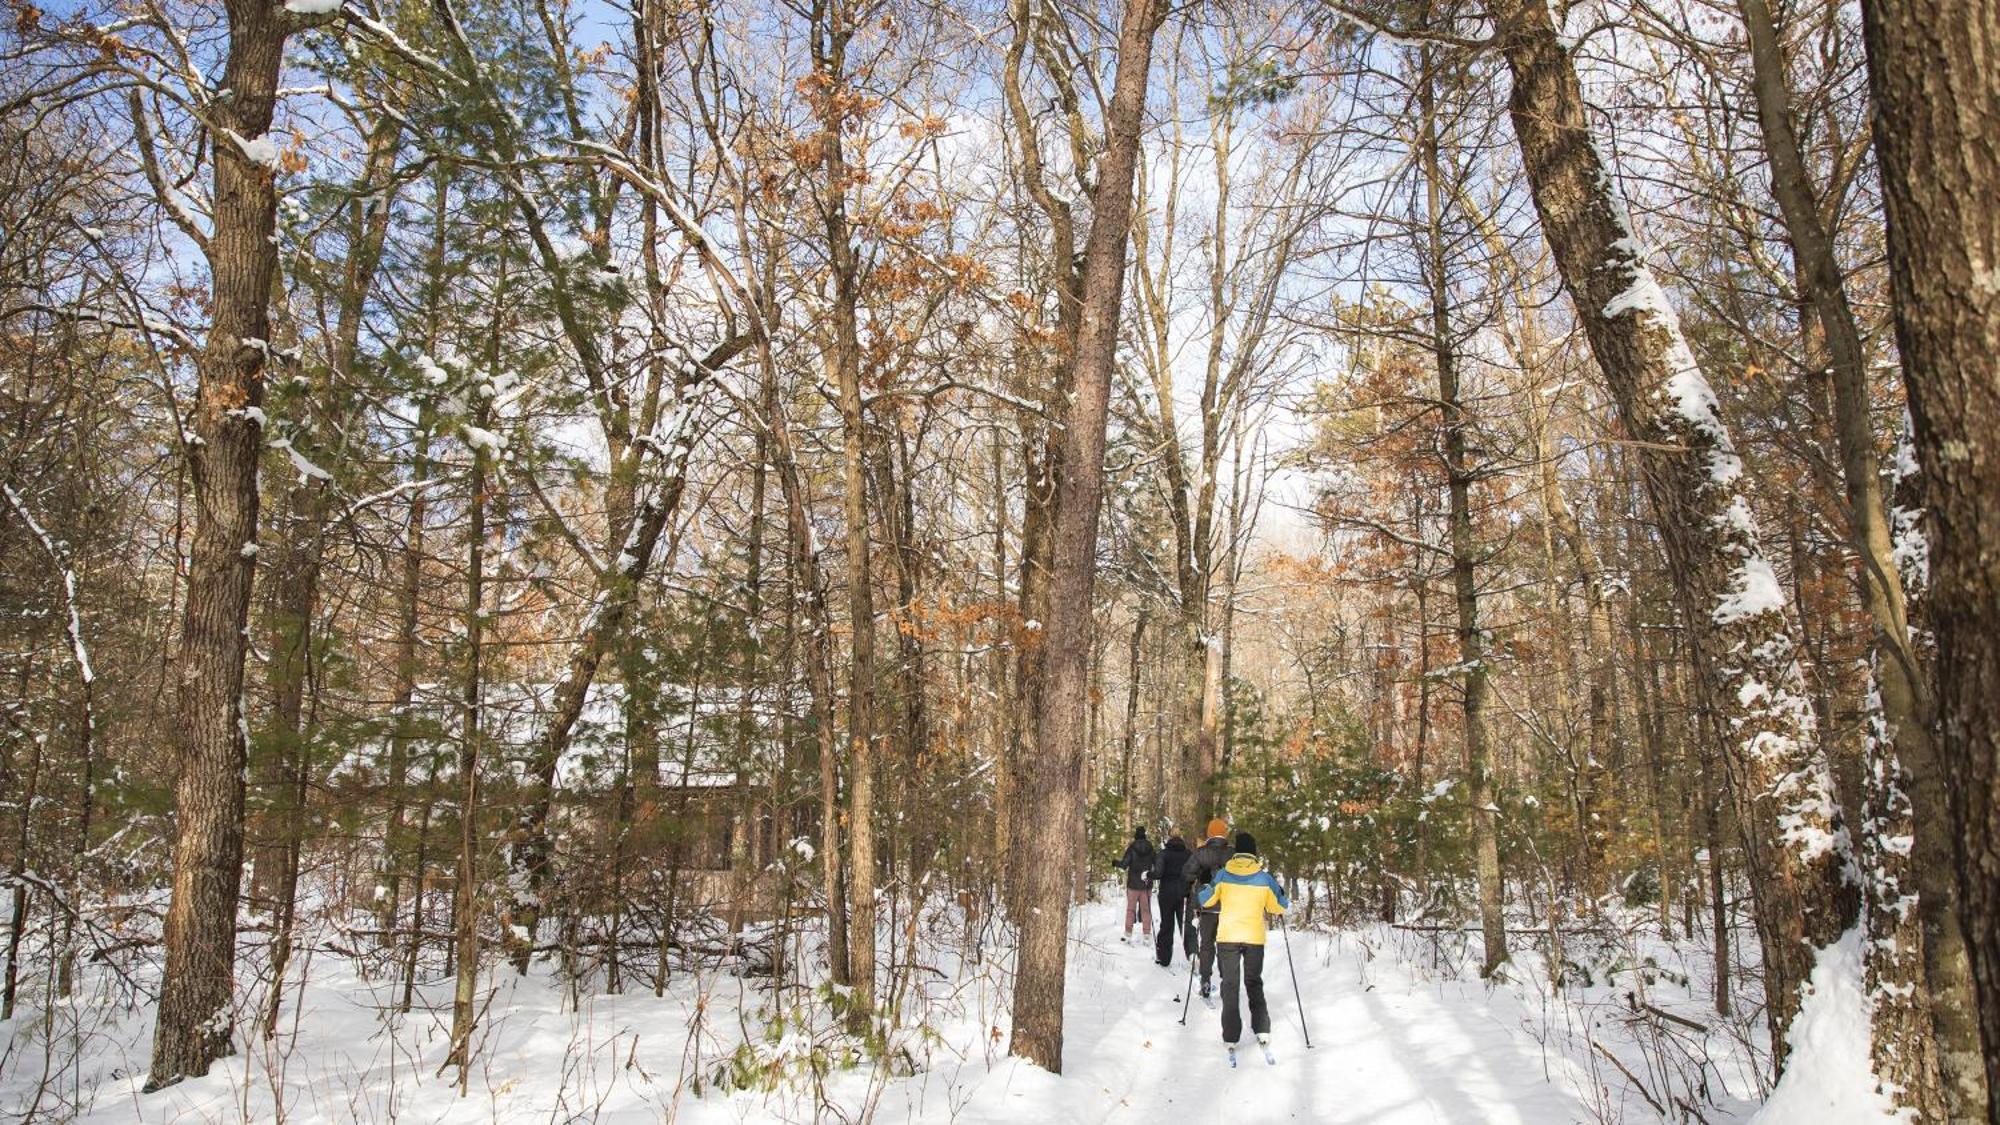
<point>1391,1047</point>
<point>1387,1049</point>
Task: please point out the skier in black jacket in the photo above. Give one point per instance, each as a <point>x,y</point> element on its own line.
<point>1170,876</point>
<point>1202,867</point>
<point>1138,864</point>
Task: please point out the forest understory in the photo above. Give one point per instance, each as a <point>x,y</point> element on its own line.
<point>1403,1030</point>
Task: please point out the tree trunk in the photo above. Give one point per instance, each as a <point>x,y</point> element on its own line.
<point>1041,448</point>
<point>811,583</point>
<point>844,355</point>
<point>617,594</point>
<point>1906,1047</point>
<point>193,1028</point>
<point>742,868</point>
<point>1131,716</point>
<point>1934,69</point>
<point>1904,691</point>
<point>466,897</point>
<point>295,596</point>
<point>17,917</point>
<point>1748,679</point>
<point>410,589</point>
<point>1459,475</point>
<point>1060,717</point>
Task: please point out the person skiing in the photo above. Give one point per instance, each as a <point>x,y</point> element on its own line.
<point>1243,893</point>
<point>1170,877</point>
<point>1201,870</point>
<point>1138,864</point>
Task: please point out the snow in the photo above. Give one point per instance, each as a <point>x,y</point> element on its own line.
<point>1686,391</point>
<point>485,440</point>
<point>1393,1046</point>
<point>433,373</point>
<point>1693,400</point>
<point>1403,1031</point>
<point>261,151</point>
<point>1830,1078</point>
<point>312,7</point>
<point>300,464</point>
<point>1756,590</point>
<point>1644,296</point>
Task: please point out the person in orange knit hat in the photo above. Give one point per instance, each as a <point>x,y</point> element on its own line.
<point>1207,861</point>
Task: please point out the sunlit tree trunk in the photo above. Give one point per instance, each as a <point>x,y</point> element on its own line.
<point>194,1018</point>
<point>1934,68</point>
<point>1051,784</point>
<point>1748,676</point>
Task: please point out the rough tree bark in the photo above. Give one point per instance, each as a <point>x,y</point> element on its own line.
<point>1934,68</point>
<point>1748,678</point>
<point>194,1023</point>
<point>1041,446</point>
<point>1933,984</point>
<point>1051,783</point>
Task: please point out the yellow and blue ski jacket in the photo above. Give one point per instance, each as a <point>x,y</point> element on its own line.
<point>1245,893</point>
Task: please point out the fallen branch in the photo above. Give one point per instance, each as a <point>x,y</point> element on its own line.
<point>1633,1078</point>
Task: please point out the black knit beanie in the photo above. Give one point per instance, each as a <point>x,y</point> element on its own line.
<point>1246,844</point>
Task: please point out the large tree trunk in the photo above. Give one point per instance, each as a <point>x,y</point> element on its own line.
<point>1944,980</point>
<point>1934,67</point>
<point>193,1028</point>
<point>1051,785</point>
<point>1748,677</point>
<point>1041,447</point>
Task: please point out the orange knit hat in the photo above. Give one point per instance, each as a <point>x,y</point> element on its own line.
<point>1218,827</point>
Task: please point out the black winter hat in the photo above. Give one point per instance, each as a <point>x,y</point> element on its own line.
<point>1139,833</point>
<point>1246,844</point>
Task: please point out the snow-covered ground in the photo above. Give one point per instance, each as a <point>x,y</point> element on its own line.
<point>1402,1032</point>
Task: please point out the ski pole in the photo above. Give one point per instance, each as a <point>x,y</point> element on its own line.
<point>1296,998</point>
<point>1187,992</point>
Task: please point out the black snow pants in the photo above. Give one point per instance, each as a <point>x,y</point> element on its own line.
<point>1243,962</point>
<point>1207,920</point>
<point>1173,919</point>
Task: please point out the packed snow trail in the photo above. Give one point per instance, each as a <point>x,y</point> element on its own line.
<point>1394,1044</point>
<point>1387,1048</point>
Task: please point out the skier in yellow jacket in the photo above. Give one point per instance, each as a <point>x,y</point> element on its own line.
<point>1244,893</point>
